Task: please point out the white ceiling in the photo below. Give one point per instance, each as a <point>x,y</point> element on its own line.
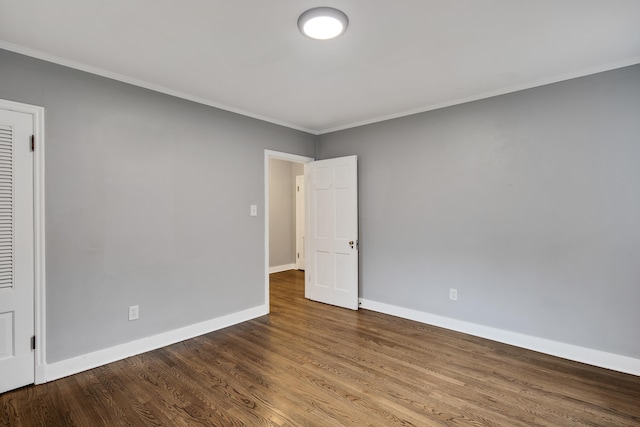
<point>396,58</point>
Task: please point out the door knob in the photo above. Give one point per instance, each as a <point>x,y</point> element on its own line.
<point>351,242</point>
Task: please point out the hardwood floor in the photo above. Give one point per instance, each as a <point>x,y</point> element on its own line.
<point>310,364</point>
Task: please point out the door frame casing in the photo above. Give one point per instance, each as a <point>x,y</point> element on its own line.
<point>37,115</point>
<point>277,155</point>
<point>299,246</point>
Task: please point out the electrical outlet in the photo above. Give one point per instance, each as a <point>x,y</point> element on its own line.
<point>134,312</point>
<point>453,294</point>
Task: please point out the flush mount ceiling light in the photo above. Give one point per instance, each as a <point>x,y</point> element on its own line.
<point>323,23</point>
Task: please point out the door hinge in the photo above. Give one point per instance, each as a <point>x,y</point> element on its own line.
<point>33,143</point>
<point>298,255</point>
<point>298,188</point>
<point>33,342</point>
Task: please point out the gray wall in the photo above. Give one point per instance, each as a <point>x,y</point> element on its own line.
<point>527,203</point>
<point>147,202</point>
<point>282,211</point>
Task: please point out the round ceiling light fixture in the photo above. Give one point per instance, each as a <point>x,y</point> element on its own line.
<point>323,23</point>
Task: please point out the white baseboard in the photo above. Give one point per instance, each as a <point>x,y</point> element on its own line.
<point>279,268</point>
<point>88,361</point>
<point>589,356</point>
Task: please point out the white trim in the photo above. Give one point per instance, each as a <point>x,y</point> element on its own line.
<point>589,356</point>
<point>279,155</point>
<point>528,85</point>
<point>84,362</point>
<point>37,113</point>
<point>285,267</point>
<point>270,154</point>
<point>141,83</point>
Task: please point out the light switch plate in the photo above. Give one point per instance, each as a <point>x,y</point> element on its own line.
<point>254,210</point>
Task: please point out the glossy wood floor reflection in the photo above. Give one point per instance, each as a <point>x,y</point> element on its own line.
<point>309,364</point>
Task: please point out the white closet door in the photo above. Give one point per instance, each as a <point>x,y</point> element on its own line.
<point>17,363</point>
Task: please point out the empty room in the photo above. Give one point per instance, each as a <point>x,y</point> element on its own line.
<point>297,213</point>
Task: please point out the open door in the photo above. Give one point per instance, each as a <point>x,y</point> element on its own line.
<point>332,232</point>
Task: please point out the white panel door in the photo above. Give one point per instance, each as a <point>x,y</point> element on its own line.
<point>332,232</point>
<point>17,363</point>
<point>300,222</point>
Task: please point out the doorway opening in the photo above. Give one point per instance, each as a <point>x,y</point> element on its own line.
<point>281,248</point>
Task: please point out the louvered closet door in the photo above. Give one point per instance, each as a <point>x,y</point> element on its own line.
<point>16,251</point>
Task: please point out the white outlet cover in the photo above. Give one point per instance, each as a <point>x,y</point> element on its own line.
<point>134,312</point>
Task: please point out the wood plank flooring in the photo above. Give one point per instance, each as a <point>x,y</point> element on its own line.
<point>310,364</point>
